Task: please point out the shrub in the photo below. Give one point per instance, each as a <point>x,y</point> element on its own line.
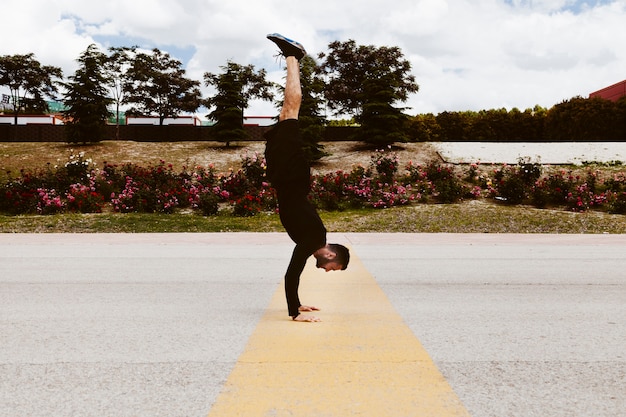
<point>77,167</point>
<point>583,198</point>
<point>235,183</point>
<point>19,195</point>
<point>254,168</point>
<point>84,199</point>
<point>49,202</point>
<point>166,202</point>
<point>553,190</point>
<point>327,191</point>
<point>247,205</point>
<point>385,164</point>
<point>446,185</point>
<point>386,196</point>
<point>127,200</point>
<point>617,202</point>
<point>616,183</point>
<point>514,184</point>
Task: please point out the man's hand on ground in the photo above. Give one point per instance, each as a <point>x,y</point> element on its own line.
<point>309,319</point>
<point>308,308</point>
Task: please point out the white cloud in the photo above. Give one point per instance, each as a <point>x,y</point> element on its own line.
<point>466,55</point>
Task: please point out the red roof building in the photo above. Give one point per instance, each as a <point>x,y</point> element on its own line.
<point>612,92</point>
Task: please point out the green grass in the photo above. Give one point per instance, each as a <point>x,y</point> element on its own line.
<point>473,217</point>
<point>469,217</point>
<point>137,223</point>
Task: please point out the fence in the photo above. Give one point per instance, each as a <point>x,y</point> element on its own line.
<point>145,133</point>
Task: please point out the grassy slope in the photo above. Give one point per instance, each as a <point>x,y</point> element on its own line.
<point>474,216</point>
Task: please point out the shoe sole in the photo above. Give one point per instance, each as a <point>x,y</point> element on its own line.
<point>288,47</point>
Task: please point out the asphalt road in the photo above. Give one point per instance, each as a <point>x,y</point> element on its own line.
<point>152,325</point>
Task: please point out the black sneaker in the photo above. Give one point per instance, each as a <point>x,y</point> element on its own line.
<point>287,46</point>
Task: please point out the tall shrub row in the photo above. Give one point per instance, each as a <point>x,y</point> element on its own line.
<point>575,120</point>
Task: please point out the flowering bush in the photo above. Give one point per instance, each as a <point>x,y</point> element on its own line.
<point>49,202</point>
<point>445,183</point>
<point>166,202</point>
<point>77,186</point>
<point>207,202</point>
<point>616,202</point>
<point>19,195</point>
<point>247,205</point>
<point>254,168</point>
<point>328,190</point>
<point>392,195</point>
<point>582,199</point>
<point>514,184</point>
<point>84,199</point>
<point>385,164</point>
<point>126,201</point>
<point>77,167</point>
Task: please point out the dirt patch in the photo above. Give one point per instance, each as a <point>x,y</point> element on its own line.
<point>346,155</point>
<point>342,155</point>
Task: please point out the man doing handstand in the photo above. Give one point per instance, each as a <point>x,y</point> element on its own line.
<point>289,172</point>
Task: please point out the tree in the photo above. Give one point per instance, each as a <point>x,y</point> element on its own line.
<point>115,69</point>
<point>453,126</point>
<point>424,128</point>
<point>29,82</point>
<point>87,98</point>
<point>620,106</point>
<point>156,84</point>
<point>366,82</point>
<point>583,119</point>
<point>527,126</point>
<point>381,123</point>
<point>235,86</point>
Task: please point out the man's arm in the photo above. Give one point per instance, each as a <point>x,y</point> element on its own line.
<point>292,280</point>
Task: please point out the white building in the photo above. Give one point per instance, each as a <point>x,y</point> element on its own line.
<point>40,119</point>
<point>154,120</point>
<point>259,120</point>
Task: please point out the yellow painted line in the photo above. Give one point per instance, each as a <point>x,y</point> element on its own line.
<point>361,360</point>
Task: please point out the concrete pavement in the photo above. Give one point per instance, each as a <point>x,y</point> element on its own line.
<point>153,325</point>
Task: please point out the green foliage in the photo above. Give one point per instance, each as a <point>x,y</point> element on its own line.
<point>385,164</point>
<point>424,128</point>
<point>235,86</point>
<point>29,82</point>
<point>311,109</point>
<point>453,126</point>
<point>342,123</point>
<point>581,119</point>
<point>515,183</point>
<point>367,81</point>
<point>247,205</point>
<point>617,204</point>
<point>446,186</point>
<point>87,99</point>
<point>495,125</point>
<point>115,70</point>
<point>208,203</point>
<point>254,168</point>
<point>155,84</point>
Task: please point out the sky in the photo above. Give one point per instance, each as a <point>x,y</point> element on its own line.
<point>464,54</point>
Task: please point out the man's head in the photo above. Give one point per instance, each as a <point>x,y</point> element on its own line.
<point>332,257</point>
